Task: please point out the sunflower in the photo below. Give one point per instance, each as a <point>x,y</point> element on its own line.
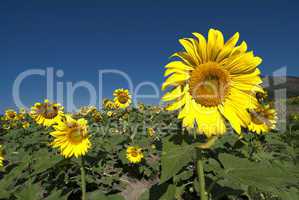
<point>1,157</point>
<point>212,81</point>
<point>85,110</point>
<point>263,119</point>
<point>122,98</point>
<point>262,96</point>
<point>25,125</point>
<point>109,105</point>
<point>10,115</point>
<point>134,154</point>
<point>47,113</point>
<point>110,113</point>
<point>71,137</point>
<point>151,132</point>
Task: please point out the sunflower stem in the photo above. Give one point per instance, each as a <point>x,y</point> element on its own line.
<point>83,180</point>
<point>201,177</point>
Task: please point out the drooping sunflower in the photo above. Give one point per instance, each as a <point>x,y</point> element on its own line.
<point>211,81</point>
<point>85,110</point>
<point>109,105</point>
<point>47,113</point>
<point>262,96</point>
<point>1,156</point>
<point>263,119</point>
<point>10,115</point>
<point>122,98</point>
<point>134,154</point>
<point>71,137</point>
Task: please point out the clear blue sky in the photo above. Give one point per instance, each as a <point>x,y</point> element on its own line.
<point>137,37</point>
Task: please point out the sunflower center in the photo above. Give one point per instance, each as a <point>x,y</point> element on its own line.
<point>76,135</point>
<point>259,118</point>
<point>49,111</point>
<point>134,153</point>
<point>122,97</point>
<point>11,115</point>
<point>209,84</point>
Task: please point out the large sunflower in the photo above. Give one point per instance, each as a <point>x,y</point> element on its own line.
<point>47,113</point>
<point>212,81</point>
<point>263,119</point>
<point>122,98</point>
<point>1,157</point>
<point>71,137</point>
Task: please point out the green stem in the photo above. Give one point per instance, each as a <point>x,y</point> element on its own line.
<point>83,181</point>
<point>201,177</point>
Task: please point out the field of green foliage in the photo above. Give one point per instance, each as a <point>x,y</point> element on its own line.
<point>256,167</point>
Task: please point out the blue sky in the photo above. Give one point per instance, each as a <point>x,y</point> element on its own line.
<point>137,37</point>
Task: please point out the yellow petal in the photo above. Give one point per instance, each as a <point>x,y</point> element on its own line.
<point>175,79</point>
<point>174,94</point>
<point>202,47</point>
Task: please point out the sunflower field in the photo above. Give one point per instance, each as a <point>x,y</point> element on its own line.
<point>216,139</point>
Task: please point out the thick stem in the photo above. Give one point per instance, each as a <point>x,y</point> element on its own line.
<point>83,181</point>
<point>201,177</point>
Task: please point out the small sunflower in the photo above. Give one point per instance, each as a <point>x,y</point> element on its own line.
<point>212,81</point>
<point>85,110</point>
<point>263,119</point>
<point>71,137</point>
<point>10,115</point>
<point>25,125</point>
<point>1,157</point>
<point>141,107</point>
<point>150,132</point>
<point>122,98</point>
<point>110,113</point>
<point>134,154</point>
<point>47,113</point>
<point>109,105</point>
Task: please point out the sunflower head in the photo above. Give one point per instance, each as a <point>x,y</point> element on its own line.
<point>141,107</point>
<point>150,132</point>
<point>1,156</point>
<point>85,110</point>
<point>122,98</point>
<point>134,154</point>
<point>261,96</point>
<point>110,113</point>
<point>10,115</point>
<point>47,113</point>
<point>263,119</point>
<point>71,137</point>
<point>26,125</point>
<point>109,105</point>
<point>213,81</point>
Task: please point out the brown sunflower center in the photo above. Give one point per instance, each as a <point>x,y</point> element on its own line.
<point>259,118</point>
<point>122,97</point>
<point>134,153</point>
<point>76,135</point>
<point>209,84</point>
<point>49,111</point>
<point>11,115</point>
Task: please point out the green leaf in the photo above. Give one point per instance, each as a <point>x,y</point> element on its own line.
<point>55,195</point>
<point>170,193</point>
<point>98,195</point>
<point>29,191</point>
<point>240,172</point>
<point>174,158</point>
